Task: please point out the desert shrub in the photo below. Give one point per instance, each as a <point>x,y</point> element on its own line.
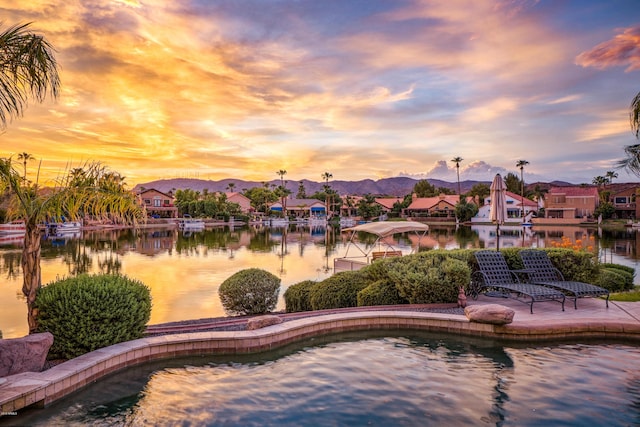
<point>430,277</point>
<point>296,297</point>
<point>249,291</point>
<point>381,292</point>
<point>614,280</point>
<point>88,312</point>
<point>338,291</point>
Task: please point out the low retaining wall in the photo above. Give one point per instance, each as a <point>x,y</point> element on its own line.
<point>42,388</point>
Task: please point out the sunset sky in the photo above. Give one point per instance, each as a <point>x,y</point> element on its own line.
<point>358,88</point>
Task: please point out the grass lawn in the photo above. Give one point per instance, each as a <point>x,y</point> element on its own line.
<point>631,296</point>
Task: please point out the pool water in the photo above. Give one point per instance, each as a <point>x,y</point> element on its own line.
<point>390,379</point>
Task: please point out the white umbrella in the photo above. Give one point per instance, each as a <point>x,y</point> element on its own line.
<point>498,212</point>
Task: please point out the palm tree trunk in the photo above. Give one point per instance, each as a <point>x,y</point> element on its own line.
<point>32,272</point>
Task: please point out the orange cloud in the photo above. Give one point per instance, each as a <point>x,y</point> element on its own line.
<point>623,49</point>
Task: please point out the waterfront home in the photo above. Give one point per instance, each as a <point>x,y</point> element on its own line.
<point>243,201</point>
<point>158,204</point>
<point>571,203</point>
<point>442,206</point>
<point>514,209</point>
<point>301,208</point>
<point>624,202</point>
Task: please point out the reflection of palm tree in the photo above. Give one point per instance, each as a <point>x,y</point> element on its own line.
<point>521,164</point>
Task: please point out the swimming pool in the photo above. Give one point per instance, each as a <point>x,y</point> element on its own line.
<point>391,378</point>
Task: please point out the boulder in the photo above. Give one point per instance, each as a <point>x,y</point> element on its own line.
<point>26,354</point>
<point>263,321</point>
<point>494,314</point>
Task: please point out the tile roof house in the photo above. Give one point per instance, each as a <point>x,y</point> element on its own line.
<point>441,206</point>
<point>240,199</point>
<point>624,202</point>
<point>301,208</point>
<point>514,208</point>
<point>571,202</point>
<point>158,203</point>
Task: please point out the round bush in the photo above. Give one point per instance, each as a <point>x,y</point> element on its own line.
<point>615,280</point>
<point>338,291</point>
<point>296,297</point>
<point>381,292</point>
<point>430,278</point>
<point>88,312</point>
<point>250,291</point>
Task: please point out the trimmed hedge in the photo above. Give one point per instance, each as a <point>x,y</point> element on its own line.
<point>88,312</point>
<point>338,291</point>
<point>614,280</point>
<point>296,297</point>
<point>250,291</point>
<point>380,292</point>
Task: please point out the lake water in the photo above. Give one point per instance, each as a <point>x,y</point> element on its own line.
<point>184,271</point>
<point>384,379</point>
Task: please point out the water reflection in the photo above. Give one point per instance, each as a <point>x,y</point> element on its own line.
<point>184,270</point>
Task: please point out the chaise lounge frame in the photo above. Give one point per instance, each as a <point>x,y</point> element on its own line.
<point>540,270</point>
<point>494,278</point>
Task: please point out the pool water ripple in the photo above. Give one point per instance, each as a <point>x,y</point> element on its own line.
<point>377,381</point>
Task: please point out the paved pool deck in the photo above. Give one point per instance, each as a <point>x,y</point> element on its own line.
<point>592,320</point>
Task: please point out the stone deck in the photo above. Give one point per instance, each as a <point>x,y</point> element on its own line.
<point>548,322</point>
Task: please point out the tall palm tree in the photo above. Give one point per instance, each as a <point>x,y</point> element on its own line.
<point>29,204</point>
<point>521,164</point>
<point>25,157</point>
<point>610,176</point>
<point>457,161</point>
<point>327,176</point>
<point>28,68</point>
<point>231,186</point>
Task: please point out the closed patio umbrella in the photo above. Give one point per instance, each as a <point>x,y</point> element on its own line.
<point>498,212</point>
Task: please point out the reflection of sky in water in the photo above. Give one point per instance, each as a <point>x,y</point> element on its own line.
<point>184,275</point>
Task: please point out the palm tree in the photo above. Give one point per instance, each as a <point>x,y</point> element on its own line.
<point>231,186</point>
<point>25,157</point>
<point>632,160</point>
<point>327,176</point>
<point>457,161</point>
<point>634,115</point>
<point>74,202</point>
<point>610,176</point>
<point>521,164</point>
<point>27,68</point>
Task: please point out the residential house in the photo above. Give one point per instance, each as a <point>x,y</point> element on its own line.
<point>514,208</point>
<point>301,208</point>
<point>571,202</point>
<point>442,206</point>
<point>240,199</point>
<point>349,208</point>
<point>158,204</point>
<point>387,203</point>
<point>624,202</point>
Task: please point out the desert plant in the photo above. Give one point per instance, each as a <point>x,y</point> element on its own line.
<point>338,291</point>
<point>250,291</point>
<point>88,312</point>
<point>296,297</point>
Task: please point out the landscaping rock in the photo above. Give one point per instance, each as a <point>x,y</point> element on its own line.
<point>494,314</point>
<point>263,321</point>
<point>27,354</point>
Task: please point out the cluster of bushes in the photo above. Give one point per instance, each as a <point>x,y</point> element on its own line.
<point>88,312</point>
<point>436,276</point>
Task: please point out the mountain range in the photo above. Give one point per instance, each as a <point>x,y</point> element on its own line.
<point>398,186</point>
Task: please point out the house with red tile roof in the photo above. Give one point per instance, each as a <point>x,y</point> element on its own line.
<point>624,202</point>
<point>240,199</point>
<point>158,204</point>
<point>571,202</point>
<point>514,208</point>
<point>442,206</point>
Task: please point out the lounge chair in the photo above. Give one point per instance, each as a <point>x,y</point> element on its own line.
<point>540,270</point>
<point>495,279</point>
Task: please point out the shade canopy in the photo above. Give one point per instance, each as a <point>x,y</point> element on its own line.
<point>388,228</point>
<point>498,212</point>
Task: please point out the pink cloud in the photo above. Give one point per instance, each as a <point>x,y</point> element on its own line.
<point>623,49</point>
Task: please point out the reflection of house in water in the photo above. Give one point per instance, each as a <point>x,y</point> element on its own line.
<point>511,236</point>
<point>157,241</point>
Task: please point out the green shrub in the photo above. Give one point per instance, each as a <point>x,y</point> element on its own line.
<point>430,277</point>
<point>575,265</point>
<point>614,280</point>
<point>88,312</point>
<point>625,268</point>
<point>296,297</point>
<point>381,292</point>
<point>338,291</point>
<point>250,291</point>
